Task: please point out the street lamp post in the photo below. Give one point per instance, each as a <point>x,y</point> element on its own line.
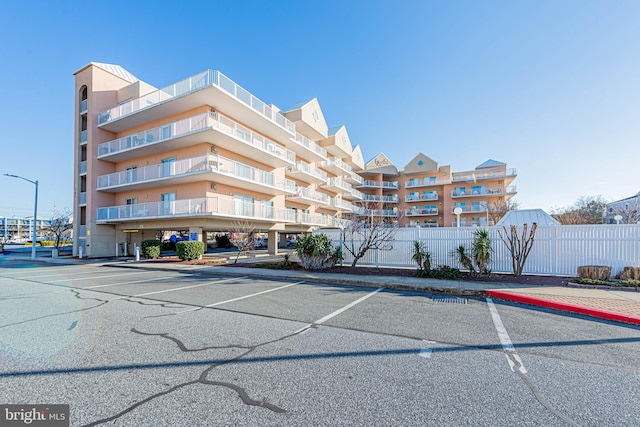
<point>458,211</point>
<point>35,214</point>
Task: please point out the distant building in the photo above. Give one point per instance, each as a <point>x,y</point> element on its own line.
<point>628,209</point>
<point>20,228</point>
<point>426,194</point>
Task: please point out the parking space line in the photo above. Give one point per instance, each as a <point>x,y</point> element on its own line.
<point>515,363</point>
<point>239,298</point>
<point>339,311</point>
<point>127,283</point>
<point>92,278</point>
<point>187,287</point>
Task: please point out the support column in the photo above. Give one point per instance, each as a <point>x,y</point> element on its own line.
<point>195,234</point>
<point>272,245</point>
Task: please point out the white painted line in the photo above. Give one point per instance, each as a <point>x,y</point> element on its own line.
<point>239,298</point>
<point>346,307</point>
<point>126,283</point>
<point>187,287</point>
<point>507,345</point>
<point>93,278</point>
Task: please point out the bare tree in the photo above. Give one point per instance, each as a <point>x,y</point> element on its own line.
<point>59,227</point>
<point>242,233</point>
<point>519,245</point>
<point>586,210</point>
<point>630,214</point>
<point>365,230</point>
<point>499,208</point>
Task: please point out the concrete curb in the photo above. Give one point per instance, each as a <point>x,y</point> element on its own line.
<point>594,312</point>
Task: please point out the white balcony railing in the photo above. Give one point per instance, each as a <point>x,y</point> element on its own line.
<point>206,206</point>
<point>83,167</point>
<point>379,199</point>
<point>192,84</point>
<point>82,198</point>
<point>307,143</point>
<point>421,197</point>
<point>474,208</point>
<point>425,182</point>
<point>192,124</point>
<point>338,163</point>
<point>83,136</point>
<point>340,204</point>
<point>83,106</point>
<point>307,193</point>
<point>308,169</point>
<point>340,183</point>
<point>483,191</point>
<point>421,212</point>
<point>376,212</point>
<point>201,164</point>
<point>380,184</point>
<point>482,174</point>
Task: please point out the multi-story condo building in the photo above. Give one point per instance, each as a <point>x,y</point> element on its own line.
<point>426,194</point>
<point>199,156</point>
<point>18,229</point>
<point>203,154</point>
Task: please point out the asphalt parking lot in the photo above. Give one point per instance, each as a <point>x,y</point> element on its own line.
<point>143,347</point>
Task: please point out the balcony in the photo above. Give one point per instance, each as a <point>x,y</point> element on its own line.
<point>474,208</point>
<point>480,222</point>
<point>219,169</point>
<point>353,195</point>
<point>307,149</point>
<point>336,166</point>
<point>83,137</point>
<point>314,219</point>
<point>207,88</point>
<point>307,173</point>
<point>82,198</point>
<point>307,196</point>
<point>494,191</point>
<point>379,199</point>
<point>421,197</point>
<point>208,127</point>
<point>426,182</point>
<point>339,205</point>
<point>84,106</point>
<point>421,212</point>
<point>482,175</point>
<point>83,167</point>
<point>377,212</point>
<point>385,185</point>
<point>221,207</point>
<point>353,178</point>
<point>337,185</point>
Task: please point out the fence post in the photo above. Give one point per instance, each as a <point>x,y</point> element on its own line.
<point>554,250</point>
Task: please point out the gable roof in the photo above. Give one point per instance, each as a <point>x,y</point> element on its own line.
<point>116,70</point>
<point>527,216</point>
<point>490,163</point>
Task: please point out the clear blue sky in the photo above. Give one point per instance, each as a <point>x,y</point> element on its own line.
<point>552,88</point>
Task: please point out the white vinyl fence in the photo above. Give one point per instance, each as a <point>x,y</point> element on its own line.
<point>557,250</point>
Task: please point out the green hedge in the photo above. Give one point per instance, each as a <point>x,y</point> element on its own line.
<point>189,250</point>
<point>150,249</point>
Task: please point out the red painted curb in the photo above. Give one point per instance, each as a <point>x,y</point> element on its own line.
<point>602,314</point>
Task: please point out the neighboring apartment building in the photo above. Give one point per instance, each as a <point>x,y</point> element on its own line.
<point>628,209</point>
<point>20,228</point>
<point>199,156</point>
<point>426,194</point>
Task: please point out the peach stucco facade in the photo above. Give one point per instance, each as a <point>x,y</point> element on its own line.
<point>204,153</point>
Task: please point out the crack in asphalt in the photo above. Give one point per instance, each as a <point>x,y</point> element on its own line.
<point>202,379</point>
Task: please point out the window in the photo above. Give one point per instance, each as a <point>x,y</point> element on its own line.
<point>168,204</point>
<point>460,191</point>
<point>169,166</point>
<point>243,205</point>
